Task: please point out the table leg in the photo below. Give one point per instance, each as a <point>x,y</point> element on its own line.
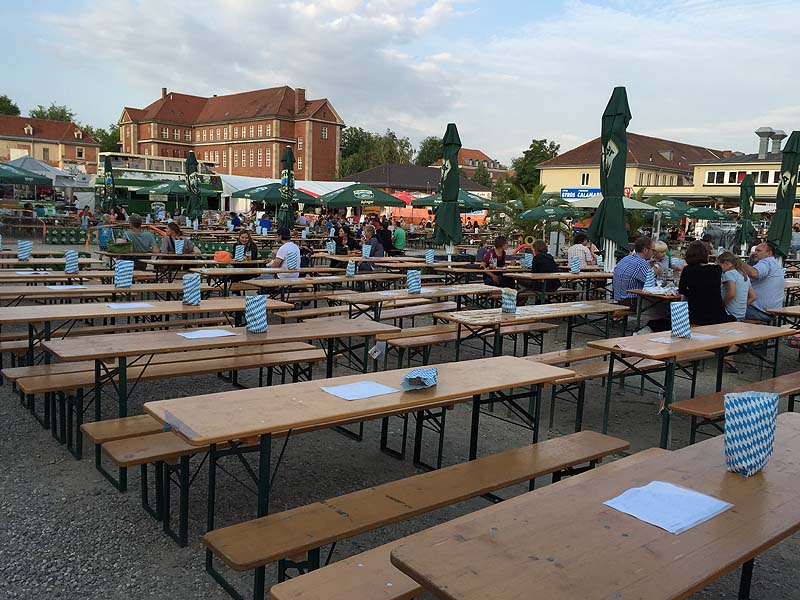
<point>669,386</point>
<point>122,386</point>
<point>330,357</point>
<point>570,323</point>
<point>639,304</point>
<point>473,433</point>
<point>458,341</point>
<point>775,358</point>
<point>607,406</point>
<point>498,341</point>
<point>746,580</point>
<point>720,352</point>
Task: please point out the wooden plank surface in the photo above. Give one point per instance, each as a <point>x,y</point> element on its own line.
<point>97,310</point>
<point>158,342</point>
<point>562,542</point>
<point>467,289</point>
<point>322,280</point>
<point>652,296</point>
<point>255,271</point>
<point>528,314</point>
<point>11,262</point>
<point>232,415</point>
<point>561,276</point>
<point>103,290</point>
<point>166,263</point>
<point>724,334</point>
<point>11,275</point>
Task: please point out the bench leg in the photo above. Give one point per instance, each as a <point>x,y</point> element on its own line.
<point>579,407</point>
<point>746,580</point>
<point>120,482</point>
<point>153,511</point>
<point>693,430</point>
<point>422,417</point>
<point>312,563</point>
<point>182,468</point>
<point>74,433</point>
<point>401,454</point>
<point>791,402</point>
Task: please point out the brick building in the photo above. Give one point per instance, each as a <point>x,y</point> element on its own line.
<point>60,144</point>
<point>469,160</point>
<point>243,134</point>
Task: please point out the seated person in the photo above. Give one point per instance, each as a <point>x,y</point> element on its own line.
<point>385,238</point>
<point>580,248</point>
<point>142,242</point>
<point>630,274</point>
<point>700,284</point>
<point>495,258</point>
<point>265,222</point>
<point>543,262</point>
<point>768,282</point>
<point>481,251</point>
<point>286,249</point>
<point>399,238</point>
<point>661,260</point>
<point>174,233</point>
<point>375,245</point>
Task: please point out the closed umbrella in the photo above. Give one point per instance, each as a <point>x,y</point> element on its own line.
<point>608,225</point>
<point>747,199</point>
<point>194,207</point>
<point>109,191</point>
<point>285,216</point>
<point>448,221</point>
<point>780,228</point>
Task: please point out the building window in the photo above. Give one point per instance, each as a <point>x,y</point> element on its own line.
<point>252,131</point>
<point>244,132</point>
<point>79,152</point>
<point>204,135</point>
<point>235,158</point>
<point>216,156</point>
<point>176,134</point>
<point>764,176</point>
<point>269,156</point>
<point>244,158</point>
<point>251,158</point>
<point>236,133</point>
<point>127,132</point>
<point>720,177</point>
<point>732,177</point>
<point>218,133</point>
<point>648,179</point>
<point>205,155</point>
<point>710,177</point>
<point>260,130</point>
<point>147,151</point>
<point>641,178</point>
<point>187,135</point>
<point>299,163</point>
<point>776,177</point>
<point>260,156</point>
<point>584,178</point>
<point>299,143</point>
<point>198,135</point>
<point>165,133</point>
<point>324,132</point>
<point>269,129</point>
<point>45,154</point>
<point>672,180</point>
<point>225,133</point>
<point>224,158</point>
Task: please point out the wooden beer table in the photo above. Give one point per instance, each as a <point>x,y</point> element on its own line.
<point>111,352</point>
<point>34,277</point>
<point>43,263</point>
<point>584,278</point>
<point>788,315</point>
<point>660,346</point>
<point>562,542</point>
<point>650,299</point>
<point>478,323</point>
<point>222,277</point>
<point>169,267</point>
<point>15,294</point>
<point>282,287</point>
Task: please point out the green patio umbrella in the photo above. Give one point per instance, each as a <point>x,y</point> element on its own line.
<point>545,213</point>
<point>448,222</point>
<point>194,207</point>
<point>745,233</point>
<point>359,194</point>
<point>466,201</point>
<point>608,223</point>
<point>271,193</point>
<point>707,213</point>
<point>9,174</point>
<point>285,217</point>
<point>780,227</point>
<point>109,198</point>
<point>174,187</point>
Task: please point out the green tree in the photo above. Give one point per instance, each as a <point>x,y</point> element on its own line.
<point>482,176</point>
<point>54,112</point>
<point>362,150</point>
<point>527,175</point>
<point>107,138</point>
<point>8,107</point>
<point>430,150</point>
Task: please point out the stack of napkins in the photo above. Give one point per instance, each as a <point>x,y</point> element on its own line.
<point>419,379</point>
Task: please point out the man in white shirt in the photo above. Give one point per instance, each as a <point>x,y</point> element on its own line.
<point>768,282</point>
<point>287,250</point>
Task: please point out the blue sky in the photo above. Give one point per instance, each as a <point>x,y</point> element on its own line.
<point>505,71</point>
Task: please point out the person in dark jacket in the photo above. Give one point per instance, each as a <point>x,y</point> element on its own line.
<point>543,262</point>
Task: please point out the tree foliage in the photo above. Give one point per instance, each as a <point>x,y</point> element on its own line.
<point>107,138</point>
<point>362,150</point>
<point>482,176</point>
<point>54,112</point>
<point>527,175</point>
<point>430,150</point>
<point>8,106</point>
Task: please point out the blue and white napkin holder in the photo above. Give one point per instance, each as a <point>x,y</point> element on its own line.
<point>527,261</point>
<point>293,260</point>
<point>330,246</point>
<point>238,253</point>
<point>508,300</point>
<point>414,282</point>
<point>679,313</point>
<point>196,224</point>
<point>123,274</point>
<point>419,379</point>
<point>230,226</point>
<point>333,232</point>
<point>430,256</point>
<point>750,419</point>
<point>24,249</point>
<point>179,245</point>
<point>600,261</point>
<point>304,233</point>
<point>71,264</point>
<point>191,289</point>
<point>574,264</point>
<point>366,250</point>
<point>650,278</point>
<point>255,313</point>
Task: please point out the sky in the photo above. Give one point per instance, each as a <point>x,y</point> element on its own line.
<point>505,71</point>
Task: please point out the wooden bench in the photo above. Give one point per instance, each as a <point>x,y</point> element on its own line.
<point>326,311</point>
<point>281,536</point>
<point>558,358</point>
<point>709,410</point>
<point>370,575</point>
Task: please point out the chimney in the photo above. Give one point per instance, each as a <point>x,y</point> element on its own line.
<point>777,138</point>
<point>163,92</point>
<point>764,133</point>
<point>299,100</point>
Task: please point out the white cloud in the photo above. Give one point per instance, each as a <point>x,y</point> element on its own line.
<point>699,71</point>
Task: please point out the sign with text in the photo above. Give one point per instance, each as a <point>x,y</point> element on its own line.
<point>579,193</point>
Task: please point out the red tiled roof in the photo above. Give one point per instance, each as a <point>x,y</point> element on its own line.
<point>62,131</point>
<point>642,150</point>
<point>192,110</point>
<point>467,154</point>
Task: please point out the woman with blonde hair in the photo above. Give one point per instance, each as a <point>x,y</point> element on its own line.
<point>737,292</point>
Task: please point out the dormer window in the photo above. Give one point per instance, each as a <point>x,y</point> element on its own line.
<point>78,134</point>
<point>28,130</point>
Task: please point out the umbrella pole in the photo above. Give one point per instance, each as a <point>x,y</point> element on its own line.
<point>609,255</point>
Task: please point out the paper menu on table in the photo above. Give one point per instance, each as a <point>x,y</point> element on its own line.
<point>359,390</point>
<point>124,305</point>
<point>66,287</point>
<point>666,340</point>
<point>200,334</point>
<point>703,336</point>
<point>730,331</point>
<point>31,272</point>
<point>670,507</point>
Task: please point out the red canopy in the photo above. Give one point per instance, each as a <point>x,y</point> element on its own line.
<point>405,197</point>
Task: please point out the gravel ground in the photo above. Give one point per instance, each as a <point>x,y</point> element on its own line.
<point>68,534</point>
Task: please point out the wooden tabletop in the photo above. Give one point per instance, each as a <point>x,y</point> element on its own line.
<point>527,314</point>
<point>15,262</point>
<point>645,294</point>
<point>225,271</point>
<point>160,262</point>
<point>724,334</point>
<point>157,342</point>
<point>359,258</point>
<point>231,415</point>
<point>786,311</point>
<point>473,268</point>
<point>562,542</point>
<point>268,284</point>
<point>11,276</point>
<point>99,310</point>
<point>561,276</point>
<point>124,255</point>
<point>791,283</point>
<point>444,291</point>
<point>92,290</point>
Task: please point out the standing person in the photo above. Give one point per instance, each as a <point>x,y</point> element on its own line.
<point>495,258</point>
<point>105,232</point>
<point>86,219</point>
<point>377,250</point>
<point>795,240</point>
<point>287,248</point>
<point>768,282</point>
<point>700,284</point>
<point>580,248</point>
<point>174,233</point>
<point>737,292</point>
<point>399,238</point>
